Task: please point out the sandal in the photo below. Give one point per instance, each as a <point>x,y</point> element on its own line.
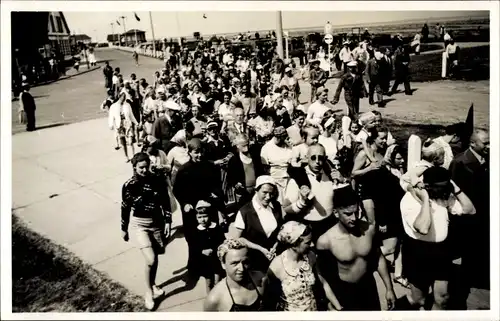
<point>157,292</point>
<point>402,281</point>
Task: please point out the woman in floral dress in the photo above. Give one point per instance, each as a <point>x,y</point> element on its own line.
<point>293,278</point>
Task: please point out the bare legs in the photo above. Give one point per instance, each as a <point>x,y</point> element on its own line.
<point>150,269</point>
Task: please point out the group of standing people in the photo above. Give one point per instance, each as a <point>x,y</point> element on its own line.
<point>369,64</point>
<point>281,204</point>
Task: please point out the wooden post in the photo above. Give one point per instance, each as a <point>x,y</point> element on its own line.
<point>279,33</point>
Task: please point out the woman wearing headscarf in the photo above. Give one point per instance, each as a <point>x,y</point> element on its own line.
<point>258,223</point>
<point>293,280</point>
<point>146,208</point>
<point>177,156</point>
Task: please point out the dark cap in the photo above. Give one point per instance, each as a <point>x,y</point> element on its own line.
<point>344,197</point>
<point>436,174</point>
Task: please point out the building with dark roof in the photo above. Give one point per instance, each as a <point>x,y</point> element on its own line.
<point>36,36</point>
<point>81,38</point>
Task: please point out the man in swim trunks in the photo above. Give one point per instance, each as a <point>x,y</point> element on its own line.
<point>241,290</point>
<point>349,248</point>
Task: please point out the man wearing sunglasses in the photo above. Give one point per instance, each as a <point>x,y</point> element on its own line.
<point>313,205</point>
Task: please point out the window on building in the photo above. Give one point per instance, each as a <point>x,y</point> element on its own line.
<point>52,25</point>
<point>59,24</point>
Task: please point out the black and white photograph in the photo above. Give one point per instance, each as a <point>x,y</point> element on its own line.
<point>250,157</point>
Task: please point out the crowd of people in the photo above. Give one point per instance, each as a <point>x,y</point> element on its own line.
<point>293,208</point>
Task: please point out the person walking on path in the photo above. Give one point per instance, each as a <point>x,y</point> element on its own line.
<point>317,78</point>
<point>108,75</point>
<point>122,120</point>
<point>145,196</point>
<point>29,107</point>
<point>402,66</point>
<point>136,58</point>
<point>354,90</point>
<point>374,75</point>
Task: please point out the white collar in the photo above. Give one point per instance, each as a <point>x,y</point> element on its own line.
<point>258,206</point>
<point>245,159</point>
<point>201,228</point>
<point>309,172</point>
<point>479,157</point>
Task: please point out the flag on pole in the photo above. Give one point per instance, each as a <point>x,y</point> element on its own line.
<point>137,17</point>
<point>118,23</point>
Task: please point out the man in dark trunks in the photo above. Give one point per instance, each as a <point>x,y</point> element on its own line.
<point>348,248</point>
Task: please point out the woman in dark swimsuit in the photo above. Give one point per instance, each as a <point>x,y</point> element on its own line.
<point>255,306</point>
<point>367,174</point>
<point>241,290</point>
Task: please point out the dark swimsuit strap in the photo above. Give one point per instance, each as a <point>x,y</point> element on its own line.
<point>256,290</point>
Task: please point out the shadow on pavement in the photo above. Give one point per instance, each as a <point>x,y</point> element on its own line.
<point>388,100</point>
<point>51,126</point>
<point>190,284</point>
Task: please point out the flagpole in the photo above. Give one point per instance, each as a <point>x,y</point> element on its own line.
<point>178,28</point>
<point>152,33</point>
<point>279,34</point>
<point>113,33</point>
<point>124,31</point>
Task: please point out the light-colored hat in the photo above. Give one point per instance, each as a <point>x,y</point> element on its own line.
<point>151,139</point>
<point>212,124</point>
<point>290,232</point>
<point>235,80</point>
<point>160,90</point>
<point>320,91</point>
<point>378,55</point>
<point>346,42</point>
<point>172,105</point>
<point>202,204</point>
<point>259,67</point>
<point>287,69</point>
<point>264,179</point>
<point>329,122</point>
<point>352,64</point>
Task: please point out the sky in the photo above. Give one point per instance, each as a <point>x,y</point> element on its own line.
<point>165,23</point>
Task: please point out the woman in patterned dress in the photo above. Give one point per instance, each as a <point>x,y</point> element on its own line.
<point>292,275</point>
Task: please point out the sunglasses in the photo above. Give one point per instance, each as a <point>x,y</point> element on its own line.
<point>318,157</point>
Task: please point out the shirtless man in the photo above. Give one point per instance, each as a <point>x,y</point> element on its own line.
<point>349,246</point>
<point>241,290</point>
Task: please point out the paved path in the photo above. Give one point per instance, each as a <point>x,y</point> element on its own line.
<point>66,180</point>
<point>78,98</point>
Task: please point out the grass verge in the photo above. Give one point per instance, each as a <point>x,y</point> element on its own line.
<point>48,278</point>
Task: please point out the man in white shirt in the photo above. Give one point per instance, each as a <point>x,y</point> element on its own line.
<point>346,55</point>
<point>328,140</point>
<point>425,220</point>
<point>317,110</point>
<point>312,204</point>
